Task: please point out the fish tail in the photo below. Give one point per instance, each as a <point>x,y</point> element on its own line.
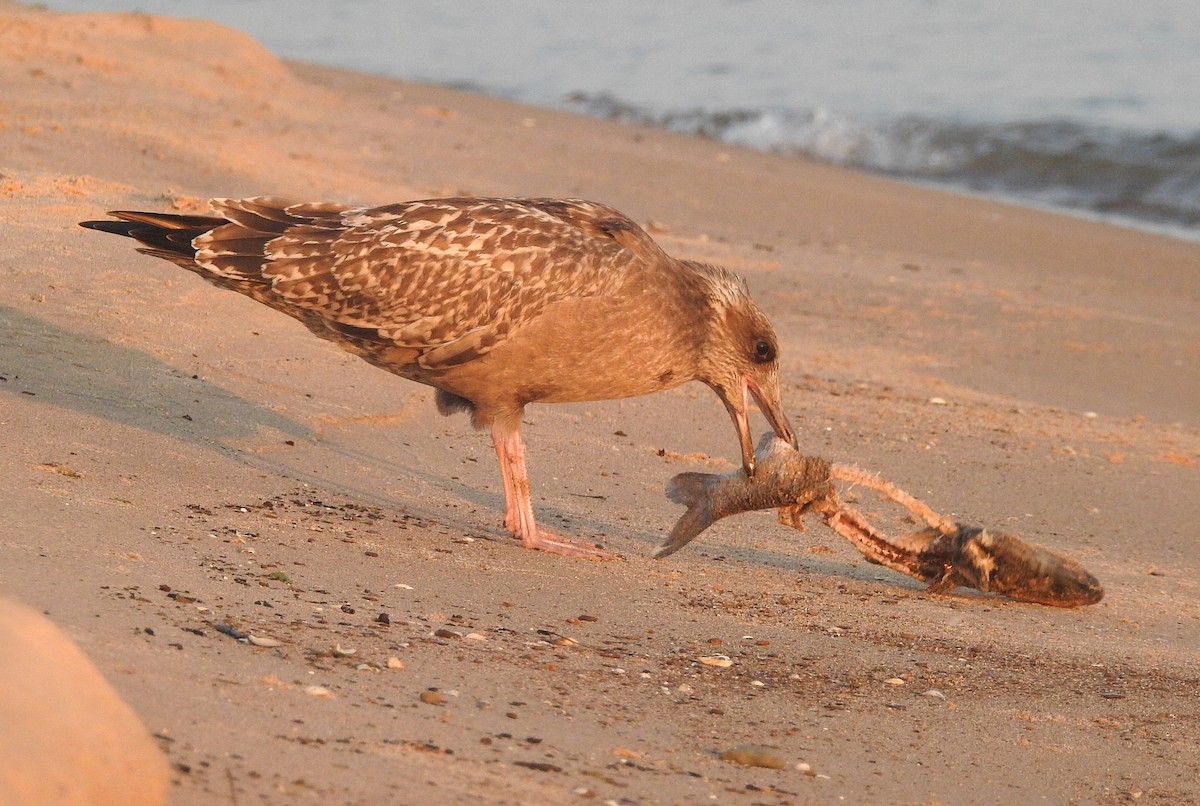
<point>691,490</point>
<point>688,488</point>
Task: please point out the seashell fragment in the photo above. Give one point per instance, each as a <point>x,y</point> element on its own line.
<point>755,755</point>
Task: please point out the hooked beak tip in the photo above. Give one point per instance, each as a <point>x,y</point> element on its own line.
<point>773,411</point>
<point>790,438</point>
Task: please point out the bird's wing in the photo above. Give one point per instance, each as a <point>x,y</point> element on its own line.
<point>447,278</point>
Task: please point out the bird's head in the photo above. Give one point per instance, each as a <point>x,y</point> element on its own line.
<point>740,358</point>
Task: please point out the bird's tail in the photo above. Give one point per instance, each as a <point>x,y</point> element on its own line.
<point>233,264</point>
<point>693,490</point>
<point>163,235</point>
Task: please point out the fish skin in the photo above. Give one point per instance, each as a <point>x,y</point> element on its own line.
<point>782,477</point>
<point>995,562</point>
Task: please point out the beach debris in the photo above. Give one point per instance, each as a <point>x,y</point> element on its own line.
<point>945,554</point>
<point>263,640</point>
<point>431,696</point>
<point>232,632</point>
<point>755,755</point>
<point>718,661</point>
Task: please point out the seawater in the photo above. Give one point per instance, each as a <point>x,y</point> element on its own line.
<point>1090,106</point>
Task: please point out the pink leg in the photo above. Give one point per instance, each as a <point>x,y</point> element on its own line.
<point>512,520</point>
<point>518,515</point>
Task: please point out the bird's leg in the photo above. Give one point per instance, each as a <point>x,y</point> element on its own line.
<point>518,516</point>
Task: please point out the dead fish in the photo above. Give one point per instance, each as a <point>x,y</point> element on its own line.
<point>945,555</point>
<point>783,477</point>
<point>950,554</point>
<point>995,562</point>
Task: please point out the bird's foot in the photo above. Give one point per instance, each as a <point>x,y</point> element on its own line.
<point>556,544</point>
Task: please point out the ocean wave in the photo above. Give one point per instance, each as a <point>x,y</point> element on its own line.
<point>1147,178</point>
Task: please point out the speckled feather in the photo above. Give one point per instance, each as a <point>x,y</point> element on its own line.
<point>447,278</point>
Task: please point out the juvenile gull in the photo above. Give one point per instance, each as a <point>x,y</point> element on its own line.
<point>497,303</point>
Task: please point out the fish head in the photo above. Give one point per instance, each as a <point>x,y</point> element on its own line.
<point>741,364</point>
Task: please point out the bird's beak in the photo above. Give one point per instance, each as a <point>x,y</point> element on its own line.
<point>767,399</point>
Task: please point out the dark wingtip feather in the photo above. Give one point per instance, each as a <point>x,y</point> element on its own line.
<point>115,227</point>
<point>166,235</point>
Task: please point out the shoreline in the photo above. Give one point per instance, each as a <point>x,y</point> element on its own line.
<point>1076,152</point>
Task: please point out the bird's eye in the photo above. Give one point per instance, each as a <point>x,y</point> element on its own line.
<point>763,352</point>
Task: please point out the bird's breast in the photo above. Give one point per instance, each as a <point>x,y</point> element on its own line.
<point>579,350</point>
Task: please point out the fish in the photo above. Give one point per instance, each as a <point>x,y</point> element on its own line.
<point>945,555</point>
<point>997,562</point>
<point>783,477</point>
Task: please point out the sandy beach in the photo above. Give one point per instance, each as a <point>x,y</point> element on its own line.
<point>177,458</point>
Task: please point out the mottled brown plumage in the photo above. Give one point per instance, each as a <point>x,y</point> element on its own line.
<point>497,303</point>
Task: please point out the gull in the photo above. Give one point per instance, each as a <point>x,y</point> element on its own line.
<point>496,303</point>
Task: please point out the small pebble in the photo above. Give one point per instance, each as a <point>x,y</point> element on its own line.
<point>319,691</point>
<point>894,681</point>
<point>262,640</point>
<point>395,663</point>
<point>432,697</point>
<point>719,661</point>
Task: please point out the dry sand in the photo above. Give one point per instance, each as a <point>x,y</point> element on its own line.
<point>176,457</point>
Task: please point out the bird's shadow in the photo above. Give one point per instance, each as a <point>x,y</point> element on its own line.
<point>93,376</point>
<point>84,373</point>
